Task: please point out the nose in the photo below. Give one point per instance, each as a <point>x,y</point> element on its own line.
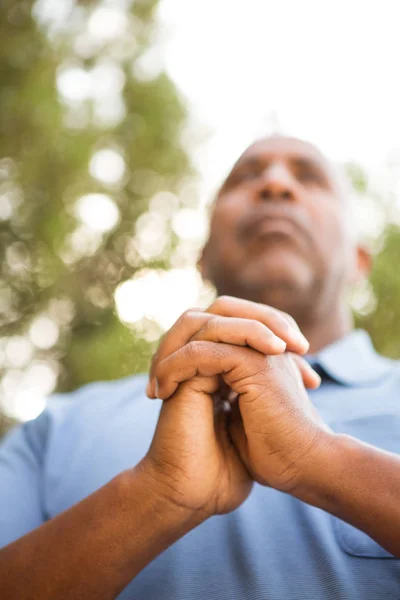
<point>276,183</point>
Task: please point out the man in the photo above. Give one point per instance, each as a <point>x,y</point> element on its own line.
<point>252,487</point>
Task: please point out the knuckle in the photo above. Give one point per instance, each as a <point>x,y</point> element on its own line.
<point>288,318</point>
<point>159,373</point>
<point>258,328</point>
<point>186,317</point>
<point>210,326</point>
<point>195,351</point>
<point>192,350</point>
<point>155,359</point>
<point>165,370</point>
<point>220,303</point>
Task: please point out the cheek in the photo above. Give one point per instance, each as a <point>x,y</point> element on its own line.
<point>328,223</point>
<point>224,223</point>
<point>330,236</point>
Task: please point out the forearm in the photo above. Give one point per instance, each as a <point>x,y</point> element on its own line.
<point>359,484</point>
<point>94,549</point>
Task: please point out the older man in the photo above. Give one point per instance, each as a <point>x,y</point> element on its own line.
<point>252,487</point>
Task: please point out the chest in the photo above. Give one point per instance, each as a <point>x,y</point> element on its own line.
<point>273,546</point>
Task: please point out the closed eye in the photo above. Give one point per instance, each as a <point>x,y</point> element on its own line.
<point>307,172</point>
<point>246,172</point>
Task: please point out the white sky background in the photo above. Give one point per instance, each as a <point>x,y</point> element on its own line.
<point>329,71</point>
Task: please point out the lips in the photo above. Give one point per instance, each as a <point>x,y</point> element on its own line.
<point>274,221</point>
<point>274,225</point>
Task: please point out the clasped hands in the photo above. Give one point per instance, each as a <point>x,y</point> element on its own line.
<point>235,407</point>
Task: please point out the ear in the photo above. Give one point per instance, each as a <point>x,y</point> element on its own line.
<point>363,264</point>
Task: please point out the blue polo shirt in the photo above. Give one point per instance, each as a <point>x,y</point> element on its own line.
<point>273,547</point>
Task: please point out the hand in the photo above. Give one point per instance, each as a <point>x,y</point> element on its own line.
<point>192,457</point>
<point>274,426</point>
<point>268,330</point>
<point>192,454</point>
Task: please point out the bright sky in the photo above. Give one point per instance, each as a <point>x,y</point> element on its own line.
<point>327,71</point>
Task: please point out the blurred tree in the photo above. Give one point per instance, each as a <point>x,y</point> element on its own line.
<point>376,302</point>
<point>382,298</point>
<point>90,131</point>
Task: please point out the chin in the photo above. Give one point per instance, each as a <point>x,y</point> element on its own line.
<point>286,276</point>
<point>278,260</point>
<point>281,286</point>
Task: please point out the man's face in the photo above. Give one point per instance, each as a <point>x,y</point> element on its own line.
<point>278,231</point>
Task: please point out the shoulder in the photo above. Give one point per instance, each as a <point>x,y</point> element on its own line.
<point>86,408</point>
<point>78,443</point>
<point>96,397</point>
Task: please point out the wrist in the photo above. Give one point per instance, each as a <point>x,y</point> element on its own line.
<point>164,497</point>
<point>319,474</point>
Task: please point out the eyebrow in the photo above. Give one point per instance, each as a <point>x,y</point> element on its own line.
<point>249,161</point>
<point>297,160</point>
<point>302,161</point>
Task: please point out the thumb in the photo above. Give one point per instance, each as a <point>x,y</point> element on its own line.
<point>189,413</point>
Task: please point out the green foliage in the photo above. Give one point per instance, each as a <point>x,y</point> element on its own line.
<point>383,323</point>
<point>357,177</point>
<point>50,264</point>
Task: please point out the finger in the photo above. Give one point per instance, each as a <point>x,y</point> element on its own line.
<point>204,359</point>
<point>191,321</point>
<point>190,412</point>
<point>200,385</point>
<point>280,323</point>
<point>311,379</point>
<point>207,359</point>
<point>179,335</point>
<point>240,332</point>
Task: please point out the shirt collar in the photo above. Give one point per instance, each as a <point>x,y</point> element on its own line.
<point>353,361</point>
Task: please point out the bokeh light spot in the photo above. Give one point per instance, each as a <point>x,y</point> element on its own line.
<point>19,351</point>
<point>105,23</point>
<point>73,83</point>
<point>43,332</point>
<point>160,296</point>
<point>98,212</point>
<point>189,223</point>
<point>107,166</point>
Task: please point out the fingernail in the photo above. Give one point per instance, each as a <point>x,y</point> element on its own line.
<point>299,338</point>
<point>279,344</point>
<point>315,375</point>
<point>157,391</point>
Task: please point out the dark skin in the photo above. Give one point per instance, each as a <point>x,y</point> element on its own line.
<point>280,251</point>
<point>280,236</point>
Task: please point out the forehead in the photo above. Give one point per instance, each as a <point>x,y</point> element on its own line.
<point>285,148</point>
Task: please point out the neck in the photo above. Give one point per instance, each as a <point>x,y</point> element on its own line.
<point>328,328</point>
